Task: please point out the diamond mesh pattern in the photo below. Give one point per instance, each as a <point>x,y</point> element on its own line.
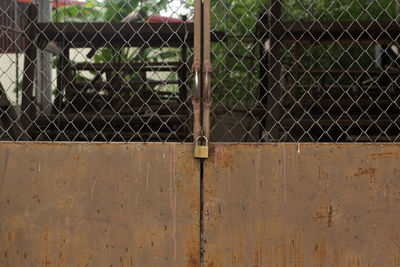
<point>118,71</point>
<point>110,70</point>
<point>306,71</point>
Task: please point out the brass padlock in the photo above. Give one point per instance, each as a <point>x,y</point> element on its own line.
<point>201,152</point>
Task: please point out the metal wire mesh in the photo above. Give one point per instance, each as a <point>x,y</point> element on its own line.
<point>119,70</point>
<point>309,71</point>
<point>96,70</point>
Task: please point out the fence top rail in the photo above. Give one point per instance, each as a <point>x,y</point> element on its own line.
<point>171,34</point>
<point>332,30</point>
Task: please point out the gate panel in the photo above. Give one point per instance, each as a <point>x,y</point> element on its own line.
<point>302,205</point>
<point>99,205</point>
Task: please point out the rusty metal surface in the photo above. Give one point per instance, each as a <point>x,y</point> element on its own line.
<point>302,205</point>
<point>98,205</point>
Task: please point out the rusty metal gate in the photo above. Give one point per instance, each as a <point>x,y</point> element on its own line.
<point>302,205</point>
<point>139,205</point>
<point>297,85</point>
<point>99,205</point>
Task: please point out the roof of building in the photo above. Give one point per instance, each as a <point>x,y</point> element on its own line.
<point>58,3</point>
<point>159,18</point>
<point>61,3</point>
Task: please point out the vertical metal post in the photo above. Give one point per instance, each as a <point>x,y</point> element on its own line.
<point>183,69</point>
<point>196,69</point>
<point>262,32</point>
<point>16,50</point>
<point>226,46</point>
<point>28,104</point>
<point>207,68</point>
<point>44,79</point>
<point>275,94</point>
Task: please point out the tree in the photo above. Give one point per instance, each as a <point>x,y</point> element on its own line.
<point>235,61</point>
<point>117,10</point>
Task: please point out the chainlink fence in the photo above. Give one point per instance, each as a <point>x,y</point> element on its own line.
<point>306,71</point>
<point>92,70</point>
<point>120,70</point>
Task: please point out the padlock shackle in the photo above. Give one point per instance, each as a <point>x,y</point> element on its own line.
<point>201,136</point>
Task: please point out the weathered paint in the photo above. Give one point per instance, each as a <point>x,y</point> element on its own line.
<point>302,205</point>
<point>99,205</point>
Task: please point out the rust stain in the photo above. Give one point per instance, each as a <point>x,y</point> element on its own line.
<point>256,259</point>
<point>213,257</point>
<point>172,196</point>
<point>241,245</point>
<point>283,238</point>
<point>89,213</point>
<point>192,253</point>
<point>323,177</point>
<point>76,157</point>
<point>371,172</point>
<point>210,263</point>
<point>180,187</point>
<point>325,214</point>
<point>320,255</point>
<point>223,157</point>
<point>296,256</point>
<point>344,211</point>
<point>383,155</point>
<point>330,213</point>
<point>237,248</point>
<point>4,172</point>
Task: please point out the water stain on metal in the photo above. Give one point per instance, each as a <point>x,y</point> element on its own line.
<point>327,205</point>
<point>96,209</point>
<point>5,165</point>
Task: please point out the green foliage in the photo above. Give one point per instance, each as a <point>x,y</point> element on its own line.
<point>116,10</point>
<point>236,62</point>
<point>79,13</point>
<point>108,10</point>
<point>343,10</point>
